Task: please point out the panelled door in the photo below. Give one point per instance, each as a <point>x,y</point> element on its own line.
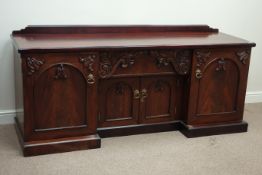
<point>118,101</point>
<point>218,85</point>
<point>61,90</point>
<point>157,101</point>
<point>126,101</point>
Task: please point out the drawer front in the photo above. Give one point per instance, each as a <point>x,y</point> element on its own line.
<point>59,95</point>
<point>146,62</point>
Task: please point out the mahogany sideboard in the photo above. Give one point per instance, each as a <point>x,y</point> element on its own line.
<point>75,84</point>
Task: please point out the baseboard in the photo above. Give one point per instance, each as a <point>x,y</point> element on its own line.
<point>229,128</point>
<point>7,116</point>
<point>254,97</point>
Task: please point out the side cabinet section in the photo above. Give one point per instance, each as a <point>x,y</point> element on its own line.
<point>61,95</point>
<point>218,86</point>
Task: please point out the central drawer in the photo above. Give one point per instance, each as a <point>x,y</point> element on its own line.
<point>148,62</point>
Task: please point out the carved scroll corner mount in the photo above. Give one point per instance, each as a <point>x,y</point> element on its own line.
<point>88,62</point>
<point>33,65</point>
<point>202,57</point>
<point>243,56</point>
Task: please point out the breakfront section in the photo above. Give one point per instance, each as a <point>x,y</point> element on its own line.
<point>141,86</point>
<point>60,91</point>
<point>218,86</point>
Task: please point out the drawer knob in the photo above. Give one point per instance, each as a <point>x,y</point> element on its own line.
<point>90,79</point>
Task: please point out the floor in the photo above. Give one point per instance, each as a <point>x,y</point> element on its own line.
<point>152,154</point>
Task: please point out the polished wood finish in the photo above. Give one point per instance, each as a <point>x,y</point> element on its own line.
<point>74,83</point>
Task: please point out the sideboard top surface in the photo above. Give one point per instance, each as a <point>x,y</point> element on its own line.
<point>58,38</point>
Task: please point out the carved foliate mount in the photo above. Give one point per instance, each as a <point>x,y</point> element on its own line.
<point>163,57</point>
<point>105,66</point>
<point>243,56</point>
<point>124,60</point>
<point>33,65</point>
<point>201,58</point>
<point>60,72</point>
<point>88,61</point>
<point>180,60</point>
<point>221,65</point>
<point>182,63</point>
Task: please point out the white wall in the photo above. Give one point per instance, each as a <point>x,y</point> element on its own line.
<point>242,18</point>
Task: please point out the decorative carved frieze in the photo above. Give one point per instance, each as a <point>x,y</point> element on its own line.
<point>123,60</point>
<point>243,56</point>
<point>60,72</point>
<point>180,60</point>
<point>221,65</point>
<point>127,59</point>
<point>163,57</point>
<point>33,65</point>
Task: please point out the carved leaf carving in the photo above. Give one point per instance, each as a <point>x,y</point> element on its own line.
<point>202,57</point>
<point>88,61</point>
<point>105,67</point>
<point>123,60</point>
<point>33,65</point>
<point>163,57</point>
<point>221,65</point>
<point>243,56</point>
<point>180,60</point>
<point>60,72</point>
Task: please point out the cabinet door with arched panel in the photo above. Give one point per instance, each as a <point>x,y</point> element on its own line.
<point>158,99</point>
<point>61,92</point>
<point>118,101</point>
<point>218,85</point>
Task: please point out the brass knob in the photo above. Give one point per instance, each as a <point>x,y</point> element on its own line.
<point>143,95</point>
<point>90,79</point>
<point>198,74</point>
<point>136,94</point>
